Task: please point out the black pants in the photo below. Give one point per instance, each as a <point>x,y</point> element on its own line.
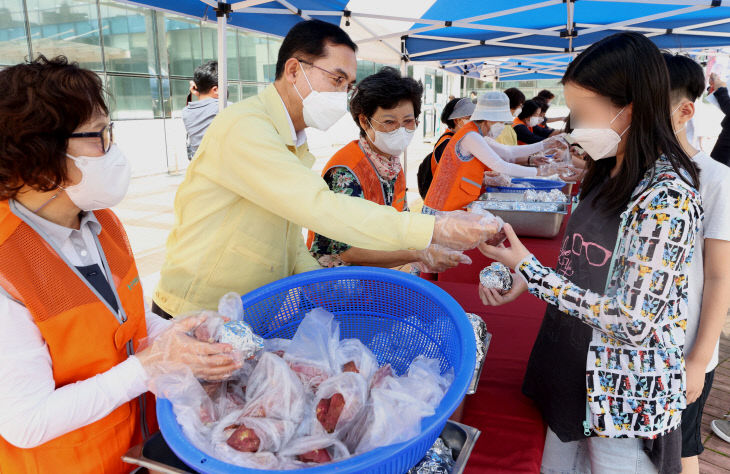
<point>160,312</point>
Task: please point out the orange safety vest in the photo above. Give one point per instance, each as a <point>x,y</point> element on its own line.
<point>456,182</point>
<point>84,338</point>
<point>444,138</point>
<point>518,121</point>
<point>353,158</point>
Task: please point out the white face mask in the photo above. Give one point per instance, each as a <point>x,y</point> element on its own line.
<point>322,109</point>
<point>534,121</point>
<point>392,143</point>
<point>104,180</point>
<point>495,130</point>
<point>599,143</point>
<point>518,111</point>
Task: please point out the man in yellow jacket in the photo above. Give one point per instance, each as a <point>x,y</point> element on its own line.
<point>249,191</point>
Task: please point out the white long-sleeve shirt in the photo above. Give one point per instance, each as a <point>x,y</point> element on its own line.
<point>34,411</point>
<point>496,156</point>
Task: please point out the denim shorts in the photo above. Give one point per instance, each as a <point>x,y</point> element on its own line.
<point>595,455</point>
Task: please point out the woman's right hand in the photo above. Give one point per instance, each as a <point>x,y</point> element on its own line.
<point>492,297</point>
<point>173,349</point>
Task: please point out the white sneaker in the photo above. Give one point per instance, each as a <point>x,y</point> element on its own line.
<point>722,429</point>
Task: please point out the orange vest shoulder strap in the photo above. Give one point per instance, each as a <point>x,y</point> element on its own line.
<point>353,158</point>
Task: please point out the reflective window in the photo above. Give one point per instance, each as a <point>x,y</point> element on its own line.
<point>134,97</point>
<point>70,29</point>
<point>13,38</point>
<point>129,42</point>
<point>183,43</point>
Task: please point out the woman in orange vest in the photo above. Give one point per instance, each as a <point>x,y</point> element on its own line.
<point>473,151</point>
<point>455,115</point>
<point>385,107</point>
<point>527,124</point>
<point>73,389</point>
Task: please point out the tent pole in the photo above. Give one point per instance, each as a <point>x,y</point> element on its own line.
<point>404,73</point>
<point>222,21</point>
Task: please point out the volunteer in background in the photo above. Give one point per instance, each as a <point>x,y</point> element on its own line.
<point>473,150</point>
<point>385,107</point>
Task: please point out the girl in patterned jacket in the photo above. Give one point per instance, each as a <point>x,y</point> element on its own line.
<point>607,367</point>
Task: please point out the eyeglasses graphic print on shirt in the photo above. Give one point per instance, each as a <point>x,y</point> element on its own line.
<point>595,255</point>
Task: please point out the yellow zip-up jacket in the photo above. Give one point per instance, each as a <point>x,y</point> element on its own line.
<point>247,194</point>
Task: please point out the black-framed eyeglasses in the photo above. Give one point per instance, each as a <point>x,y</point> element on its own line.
<point>340,81</point>
<point>105,136</point>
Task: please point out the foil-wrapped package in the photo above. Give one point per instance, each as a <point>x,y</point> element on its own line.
<point>530,196</point>
<point>438,460</point>
<point>482,338</point>
<point>496,276</point>
<point>241,337</point>
<point>557,195</point>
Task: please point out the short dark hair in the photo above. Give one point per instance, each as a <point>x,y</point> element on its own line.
<point>307,40</point>
<point>473,92</point>
<point>546,94</point>
<point>43,102</point>
<point>686,78</point>
<point>528,109</point>
<point>448,110</point>
<point>385,89</point>
<point>516,97</point>
<point>205,76</point>
<point>542,103</point>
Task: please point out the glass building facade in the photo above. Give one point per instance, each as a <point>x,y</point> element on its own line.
<point>145,58</point>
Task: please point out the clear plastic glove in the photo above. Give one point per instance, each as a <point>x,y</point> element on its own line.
<point>492,178</point>
<point>461,230</point>
<point>436,259</point>
<point>174,350</point>
<point>556,141</point>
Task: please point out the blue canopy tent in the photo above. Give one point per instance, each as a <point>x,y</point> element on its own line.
<point>524,39</point>
<point>498,39</point>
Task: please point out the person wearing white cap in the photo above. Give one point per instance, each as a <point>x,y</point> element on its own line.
<point>473,150</point>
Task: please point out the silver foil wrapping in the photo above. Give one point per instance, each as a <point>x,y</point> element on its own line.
<point>438,460</point>
<point>496,276</point>
<point>241,337</point>
<point>482,338</point>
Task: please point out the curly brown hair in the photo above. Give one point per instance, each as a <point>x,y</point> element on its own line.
<point>42,103</point>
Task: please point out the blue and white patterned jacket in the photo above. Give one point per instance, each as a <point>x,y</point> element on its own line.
<point>635,377</point>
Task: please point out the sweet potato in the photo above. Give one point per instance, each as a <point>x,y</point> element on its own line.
<point>350,367</point>
<point>317,456</point>
<point>329,410</point>
<point>244,439</point>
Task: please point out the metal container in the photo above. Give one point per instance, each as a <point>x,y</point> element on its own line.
<point>533,223</point>
<point>528,223</point>
<point>461,439</point>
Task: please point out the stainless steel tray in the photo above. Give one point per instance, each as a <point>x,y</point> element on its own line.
<point>528,223</point>
<point>461,439</point>
<point>533,224</point>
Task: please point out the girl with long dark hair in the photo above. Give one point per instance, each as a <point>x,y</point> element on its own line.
<point>607,368</point>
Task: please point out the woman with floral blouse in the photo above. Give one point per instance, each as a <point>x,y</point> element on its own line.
<point>385,107</point>
<point>607,368</point>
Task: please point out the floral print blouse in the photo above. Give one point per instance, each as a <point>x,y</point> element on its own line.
<point>343,181</point>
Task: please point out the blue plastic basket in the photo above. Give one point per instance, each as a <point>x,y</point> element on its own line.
<point>536,184</point>
<point>366,302</point>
